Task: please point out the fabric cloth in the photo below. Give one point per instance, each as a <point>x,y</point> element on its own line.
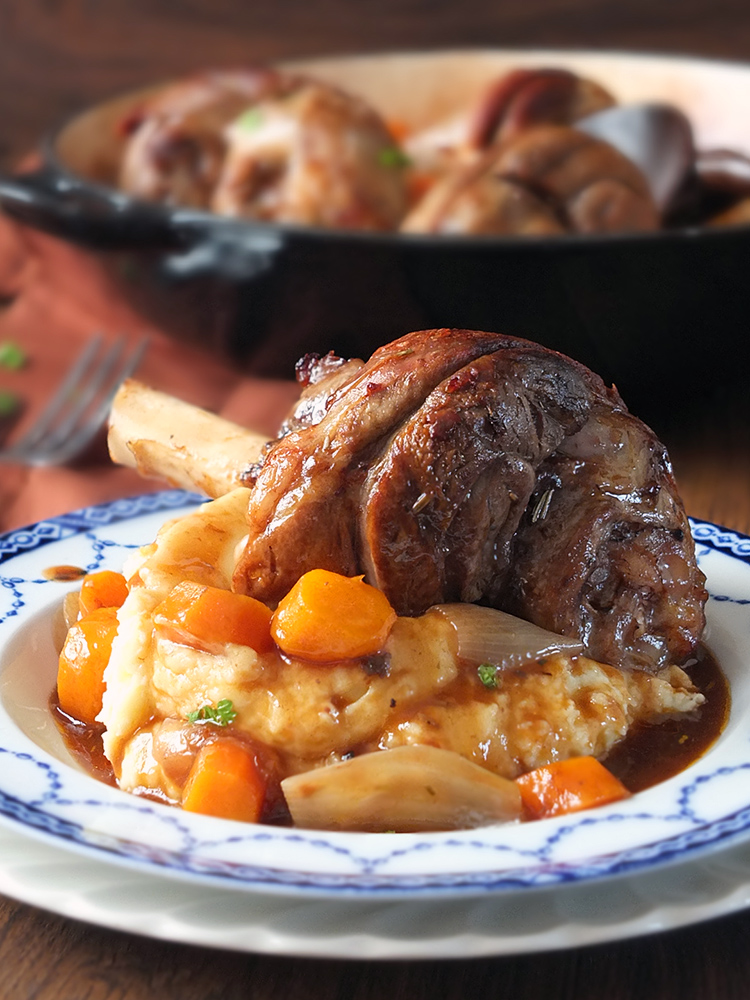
<point>52,299</point>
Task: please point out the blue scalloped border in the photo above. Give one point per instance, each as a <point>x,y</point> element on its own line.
<point>721,539</point>
<point>35,536</point>
<point>366,879</point>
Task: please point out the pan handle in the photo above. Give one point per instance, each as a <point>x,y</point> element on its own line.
<point>83,213</point>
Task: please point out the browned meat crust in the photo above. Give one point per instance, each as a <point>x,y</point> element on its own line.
<point>617,553</point>
<point>263,144</point>
<point>527,97</point>
<point>465,466</point>
<point>177,147</point>
<point>544,180</point>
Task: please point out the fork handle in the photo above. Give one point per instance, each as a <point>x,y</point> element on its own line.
<point>83,213</point>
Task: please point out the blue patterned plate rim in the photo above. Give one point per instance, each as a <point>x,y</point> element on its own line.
<point>706,808</point>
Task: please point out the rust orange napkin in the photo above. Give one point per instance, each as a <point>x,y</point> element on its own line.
<point>52,298</point>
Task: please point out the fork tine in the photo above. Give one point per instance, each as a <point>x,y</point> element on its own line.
<point>67,387</point>
<point>79,407</point>
<point>83,394</point>
<point>82,433</point>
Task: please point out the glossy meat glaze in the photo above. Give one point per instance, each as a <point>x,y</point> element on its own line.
<point>457,465</point>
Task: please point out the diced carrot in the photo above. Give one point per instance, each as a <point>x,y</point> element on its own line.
<point>225,780</point>
<point>84,657</point>
<point>105,589</point>
<point>398,129</point>
<point>208,617</point>
<point>569,786</point>
<point>327,616</point>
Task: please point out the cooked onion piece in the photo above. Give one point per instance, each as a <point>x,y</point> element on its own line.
<point>488,636</point>
<point>407,790</point>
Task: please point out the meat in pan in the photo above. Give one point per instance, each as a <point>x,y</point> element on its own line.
<point>545,180</point>
<point>312,155</point>
<point>260,144</point>
<point>176,147</point>
<point>527,97</point>
<point>538,151</point>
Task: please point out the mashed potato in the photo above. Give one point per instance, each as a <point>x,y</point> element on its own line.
<point>308,715</point>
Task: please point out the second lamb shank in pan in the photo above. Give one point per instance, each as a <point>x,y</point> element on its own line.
<point>457,465</point>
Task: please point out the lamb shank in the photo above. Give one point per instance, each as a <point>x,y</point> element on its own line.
<point>457,465</point>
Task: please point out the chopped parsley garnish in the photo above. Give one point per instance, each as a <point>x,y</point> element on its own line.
<point>222,715</point>
<point>11,355</point>
<point>488,674</point>
<point>541,507</point>
<point>250,119</point>
<point>9,403</point>
<point>392,156</point>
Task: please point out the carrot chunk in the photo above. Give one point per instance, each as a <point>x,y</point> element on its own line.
<point>208,617</point>
<point>225,780</point>
<point>569,786</point>
<point>105,589</point>
<point>326,616</point>
<point>398,129</point>
<point>84,657</point>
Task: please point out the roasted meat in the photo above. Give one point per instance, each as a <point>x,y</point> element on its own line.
<point>312,155</point>
<point>603,551</point>
<point>543,180</point>
<point>536,151</point>
<point>465,466</point>
<point>266,145</point>
<point>175,145</point>
<point>506,106</point>
<point>527,97</point>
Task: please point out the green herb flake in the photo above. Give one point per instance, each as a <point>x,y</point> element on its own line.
<point>9,403</point>
<point>11,355</point>
<point>250,120</point>
<point>488,674</point>
<point>541,507</point>
<point>392,156</point>
<point>222,715</point>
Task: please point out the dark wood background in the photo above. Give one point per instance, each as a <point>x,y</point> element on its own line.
<point>58,56</point>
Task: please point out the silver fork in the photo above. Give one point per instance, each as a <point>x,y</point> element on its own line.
<point>79,406</point>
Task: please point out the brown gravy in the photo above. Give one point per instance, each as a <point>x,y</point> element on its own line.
<point>647,756</point>
<point>651,754</point>
<point>84,742</point>
<point>63,573</point>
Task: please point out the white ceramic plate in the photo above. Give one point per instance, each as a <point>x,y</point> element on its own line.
<point>44,795</point>
<point>108,895</point>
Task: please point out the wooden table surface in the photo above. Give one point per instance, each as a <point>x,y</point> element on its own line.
<point>57,57</point>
